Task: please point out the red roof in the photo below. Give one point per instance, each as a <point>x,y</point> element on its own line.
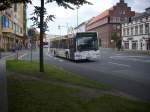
<point>100,16</point>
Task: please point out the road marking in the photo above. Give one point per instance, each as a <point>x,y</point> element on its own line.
<point>54,57</point>
<point>119,64</point>
<point>131,58</point>
<point>118,54</point>
<point>126,56</point>
<point>20,57</point>
<point>48,54</point>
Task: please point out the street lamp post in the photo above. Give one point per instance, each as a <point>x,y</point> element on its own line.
<point>77,17</point>
<point>59,27</point>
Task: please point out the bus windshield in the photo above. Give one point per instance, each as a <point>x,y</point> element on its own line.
<point>87,43</point>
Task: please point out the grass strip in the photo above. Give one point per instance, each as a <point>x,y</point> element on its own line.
<point>27,95</point>
<point>52,73</point>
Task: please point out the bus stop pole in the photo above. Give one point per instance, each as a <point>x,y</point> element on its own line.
<point>31,51</point>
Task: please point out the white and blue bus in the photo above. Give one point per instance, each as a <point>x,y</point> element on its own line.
<point>79,46</point>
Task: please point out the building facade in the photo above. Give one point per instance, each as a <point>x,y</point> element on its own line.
<point>109,22</point>
<point>12,27</point>
<point>136,32</point>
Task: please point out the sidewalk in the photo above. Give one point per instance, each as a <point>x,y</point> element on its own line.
<point>3,87</point>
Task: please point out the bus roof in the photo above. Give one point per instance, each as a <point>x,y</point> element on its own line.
<point>73,35</point>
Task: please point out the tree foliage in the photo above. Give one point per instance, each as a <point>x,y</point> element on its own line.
<point>114,36</point>
<point>36,18</point>
<point>116,39</point>
<point>65,3</point>
<point>5,4</point>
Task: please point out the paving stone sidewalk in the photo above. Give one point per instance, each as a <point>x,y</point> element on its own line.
<point>3,87</point>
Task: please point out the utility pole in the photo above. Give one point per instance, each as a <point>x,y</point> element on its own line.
<point>77,17</point>
<point>67,28</point>
<point>41,37</point>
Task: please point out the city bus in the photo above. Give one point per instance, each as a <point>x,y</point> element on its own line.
<point>79,46</point>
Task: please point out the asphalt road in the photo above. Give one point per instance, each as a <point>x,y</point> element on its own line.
<point>126,73</point>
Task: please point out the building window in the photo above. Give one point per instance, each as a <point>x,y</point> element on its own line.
<point>127,31</point>
<point>14,26</point>
<point>124,31</point>
<point>136,30</point>
<point>20,30</point>
<point>126,45</point>
<point>131,30</point>
<point>7,22</point>
<point>122,12</point>
<point>141,29</point>
<point>4,21</point>
<point>147,28</point>
<point>118,19</point>
<point>134,45</point>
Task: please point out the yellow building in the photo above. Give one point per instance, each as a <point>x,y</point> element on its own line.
<point>12,28</point>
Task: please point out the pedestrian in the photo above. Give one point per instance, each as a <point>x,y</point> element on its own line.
<point>13,47</point>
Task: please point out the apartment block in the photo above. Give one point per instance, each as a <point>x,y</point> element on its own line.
<point>109,21</point>
<point>12,27</point>
<point>136,32</point>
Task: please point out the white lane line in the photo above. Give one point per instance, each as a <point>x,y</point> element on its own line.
<point>48,54</point>
<point>20,57</point>
<point>129,58</point>
<point>118,54</point>
<point>54,57</point>
<point>119,64</point>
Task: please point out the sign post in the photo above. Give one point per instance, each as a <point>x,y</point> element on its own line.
<point>30,34</point>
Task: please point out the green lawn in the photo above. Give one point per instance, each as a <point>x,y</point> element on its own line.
<point>26,94</point>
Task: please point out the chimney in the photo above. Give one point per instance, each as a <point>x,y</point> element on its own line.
<point>121,1</point>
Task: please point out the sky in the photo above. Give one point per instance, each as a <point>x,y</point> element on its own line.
<point>68,18</point>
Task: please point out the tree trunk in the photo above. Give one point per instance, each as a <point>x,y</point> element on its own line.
<point>41,37</point>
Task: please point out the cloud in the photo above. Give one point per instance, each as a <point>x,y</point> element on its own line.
<point>68,16</point>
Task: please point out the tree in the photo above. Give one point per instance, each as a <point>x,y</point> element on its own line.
<point>41,22</point>
<point>114,37</point>
<point>39,14</point>
<point>5,4</point>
